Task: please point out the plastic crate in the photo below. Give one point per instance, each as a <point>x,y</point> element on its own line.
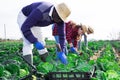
<point>68,76</point>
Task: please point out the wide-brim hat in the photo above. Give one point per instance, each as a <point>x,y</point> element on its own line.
<point>62,10</point>
<point>90,30</point>
<point>84,28</point>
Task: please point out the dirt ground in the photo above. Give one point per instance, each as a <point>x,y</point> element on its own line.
<point>96,55</point>
<point>117,53</point>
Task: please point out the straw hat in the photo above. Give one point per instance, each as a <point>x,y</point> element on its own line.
<point>63,11</point>
<point>84,28</point>
<point>90,30</point>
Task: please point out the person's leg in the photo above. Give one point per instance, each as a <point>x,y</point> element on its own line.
<point>66,50</point>
<point>27,51</point>
<point>85,41</point>
<point>58,49</point>
<point>38,34</point>
<point>79,45</point>
<point>27,46</point>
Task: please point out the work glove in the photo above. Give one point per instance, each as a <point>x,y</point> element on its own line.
<point>62,57</point>
<point>72,49</point>
<point>38,45</point>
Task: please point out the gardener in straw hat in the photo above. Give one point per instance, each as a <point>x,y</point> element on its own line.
<point>68,27</point>
<point>87,30</point>
<point>40,14</point>
<point>73,35</point>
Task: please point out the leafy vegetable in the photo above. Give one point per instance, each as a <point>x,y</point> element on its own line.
<point>7,74</point>
<point>45,67</point>
<point>23,73</point>
<point>84,67</point>
<point>112,75</point>
<point>1,69</point>
<point>12,68</point>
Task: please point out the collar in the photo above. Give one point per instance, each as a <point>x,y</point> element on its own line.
<point>51,10</point>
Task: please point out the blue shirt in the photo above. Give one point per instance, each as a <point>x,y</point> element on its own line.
<point>38,15</point>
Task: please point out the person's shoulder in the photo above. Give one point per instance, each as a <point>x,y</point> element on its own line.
<point>46,2</point>
<point>41,2</point>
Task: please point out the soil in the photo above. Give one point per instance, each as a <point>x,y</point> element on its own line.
<point>96,55</point>
<point>117,54</point>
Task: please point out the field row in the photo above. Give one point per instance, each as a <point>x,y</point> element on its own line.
<point>100,60</point>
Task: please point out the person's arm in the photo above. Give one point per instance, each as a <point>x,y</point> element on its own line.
<point>73,46</point>
<point>32,19</point>
<point>61,46</point>
<point>61,34</point>
<point>54,30</point>
<point>75,43</point>
<point>55,33</point>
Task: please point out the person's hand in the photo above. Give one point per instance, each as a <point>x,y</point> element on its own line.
<point>72,49</point>
<point>62,57</point>
<point>38,45</point>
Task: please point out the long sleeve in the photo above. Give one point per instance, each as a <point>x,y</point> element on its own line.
<point>75,43</point>
<point>38,16</point>
<point>54,29</point>
<point>61,34</point>
<point>30,22</point>
<point>73,36</point>
<point>68,33</point>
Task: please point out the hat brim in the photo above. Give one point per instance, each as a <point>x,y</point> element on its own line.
<point>84,28</point>
<point>90,30</point>
<point>63,11</point>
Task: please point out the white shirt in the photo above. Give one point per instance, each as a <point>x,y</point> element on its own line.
<point>51,11</point>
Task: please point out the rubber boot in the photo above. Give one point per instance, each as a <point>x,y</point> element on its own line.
<point>44,56</point>
<point>29,59</point>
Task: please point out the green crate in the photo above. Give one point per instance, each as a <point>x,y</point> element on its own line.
<point>68,76</point>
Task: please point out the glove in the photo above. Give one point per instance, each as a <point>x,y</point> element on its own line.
<point>62,57</point>
<point>38,45</point>
<point>72,49</point>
